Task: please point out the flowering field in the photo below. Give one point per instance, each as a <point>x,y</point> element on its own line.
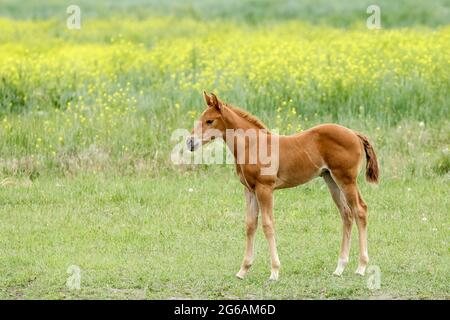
<point>118,89</point>
<point>86,118</point>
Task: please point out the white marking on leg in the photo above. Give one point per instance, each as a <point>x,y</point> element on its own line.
<point>274,275</point>
<point>340,267</point>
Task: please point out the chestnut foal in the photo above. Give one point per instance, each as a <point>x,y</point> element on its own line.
<point>329,150</point>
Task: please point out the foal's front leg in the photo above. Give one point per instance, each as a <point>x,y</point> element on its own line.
<point>251,225</point>
<point>264,194</point>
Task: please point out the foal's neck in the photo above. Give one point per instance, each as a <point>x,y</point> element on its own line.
<point>238,126</point>
<point>233,121</point>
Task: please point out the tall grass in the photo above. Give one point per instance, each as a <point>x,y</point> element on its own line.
<point>399,13</point>
<point>107,97</point>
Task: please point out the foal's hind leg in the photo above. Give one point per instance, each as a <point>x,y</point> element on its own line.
<point>359,211</point>
<point>361,222</point>
<point>347,222</point>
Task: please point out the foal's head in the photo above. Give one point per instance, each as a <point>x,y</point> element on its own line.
<point>209,126</point>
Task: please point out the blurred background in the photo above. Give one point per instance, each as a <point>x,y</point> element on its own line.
<point>399,13</point>
<point>117,87</point>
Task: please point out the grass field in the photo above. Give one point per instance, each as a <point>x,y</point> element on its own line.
<point>173,243</point>
<point>86,119</point>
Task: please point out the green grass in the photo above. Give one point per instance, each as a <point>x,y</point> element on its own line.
<point>152,238</point>
<point>398,13</point>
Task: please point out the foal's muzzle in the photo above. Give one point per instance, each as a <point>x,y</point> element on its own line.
<point>192,143</point>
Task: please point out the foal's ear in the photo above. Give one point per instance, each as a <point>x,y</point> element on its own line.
<point>207,98</point>
<point>215,102</point>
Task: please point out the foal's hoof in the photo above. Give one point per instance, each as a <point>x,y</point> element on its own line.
<point>360,271</point>
<point>340,267</point>
<point>240,275</point>
<point>274,276</point>
<point>338,273</point>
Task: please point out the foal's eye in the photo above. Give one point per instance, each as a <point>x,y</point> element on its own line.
<point>209,121</point>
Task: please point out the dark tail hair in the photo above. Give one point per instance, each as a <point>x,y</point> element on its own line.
<point>372,170</point>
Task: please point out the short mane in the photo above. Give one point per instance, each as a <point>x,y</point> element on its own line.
<point>247,116</point>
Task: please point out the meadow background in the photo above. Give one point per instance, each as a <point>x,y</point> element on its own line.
<point>86,118</point>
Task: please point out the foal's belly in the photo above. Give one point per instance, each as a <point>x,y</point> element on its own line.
<point>295,179</point>
<point>300,161</point>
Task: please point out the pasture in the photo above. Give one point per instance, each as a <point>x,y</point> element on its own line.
<point>86,119</point>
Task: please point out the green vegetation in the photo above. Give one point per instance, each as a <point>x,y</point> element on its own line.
<point>153,238</point>
<point>399,13</point>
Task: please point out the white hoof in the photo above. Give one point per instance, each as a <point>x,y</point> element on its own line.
<point>361,271</point>
<point>240,274</point>
<point>340,267</point>
<point>274,276</point>
<point>338,272</point>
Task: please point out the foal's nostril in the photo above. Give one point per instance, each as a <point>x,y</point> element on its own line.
<point>191,144</point>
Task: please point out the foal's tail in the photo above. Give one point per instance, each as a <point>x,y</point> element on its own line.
<point>372,170</point>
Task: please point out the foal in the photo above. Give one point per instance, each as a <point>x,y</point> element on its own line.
<point>329,150</point>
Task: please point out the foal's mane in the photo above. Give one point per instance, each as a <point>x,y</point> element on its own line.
<point>247,116</point>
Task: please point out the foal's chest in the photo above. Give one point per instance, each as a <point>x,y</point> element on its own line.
<point>249,175</point>
<point>246,176</point>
